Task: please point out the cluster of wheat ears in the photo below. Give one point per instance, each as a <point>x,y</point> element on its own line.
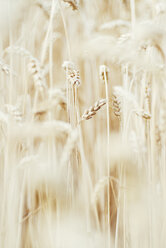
<point>82,123</point>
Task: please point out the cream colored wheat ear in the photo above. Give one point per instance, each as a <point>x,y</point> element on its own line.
<point>72,3</point>
<point>88,114</point>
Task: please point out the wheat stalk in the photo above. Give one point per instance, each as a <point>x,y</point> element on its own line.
<point>70,144</point>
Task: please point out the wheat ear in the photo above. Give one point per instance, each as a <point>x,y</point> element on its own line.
<point>101,184</point>
<point>88,114</point>
<point>72,3</point>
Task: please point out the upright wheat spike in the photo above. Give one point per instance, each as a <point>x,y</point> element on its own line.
<point>72,74</point>
<point>88,114</point>
<point>104,72</point>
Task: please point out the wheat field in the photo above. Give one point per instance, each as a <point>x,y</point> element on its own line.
<point>82,123</point>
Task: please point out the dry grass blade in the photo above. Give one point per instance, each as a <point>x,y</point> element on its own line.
<point>30,214</point>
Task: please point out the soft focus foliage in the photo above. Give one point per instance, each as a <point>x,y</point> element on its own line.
<point>82,123</point>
